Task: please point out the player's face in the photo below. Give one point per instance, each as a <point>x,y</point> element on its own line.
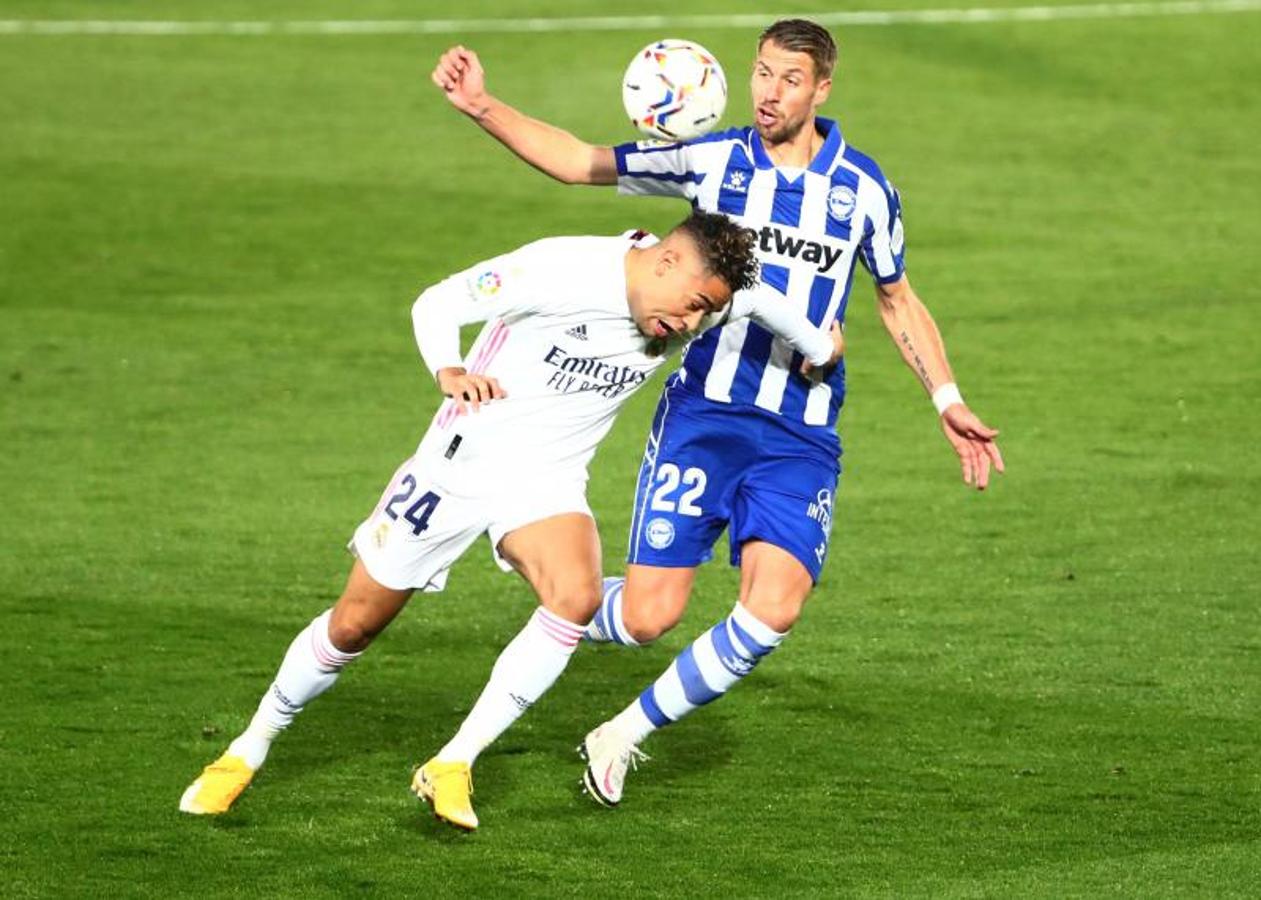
<point>786,92</point>
<point>678,294</point>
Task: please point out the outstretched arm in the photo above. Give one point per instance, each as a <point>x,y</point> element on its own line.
<point>913,330</point>
<point>549,149</point>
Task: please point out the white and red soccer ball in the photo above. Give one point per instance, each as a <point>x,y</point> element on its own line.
<point>674,90</point>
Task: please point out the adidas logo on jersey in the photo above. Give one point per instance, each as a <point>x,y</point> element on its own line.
<point>578,331</point>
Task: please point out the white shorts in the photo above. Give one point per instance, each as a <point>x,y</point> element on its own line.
<point>432,511</point>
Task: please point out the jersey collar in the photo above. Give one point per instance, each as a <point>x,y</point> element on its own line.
<point>833,144</point>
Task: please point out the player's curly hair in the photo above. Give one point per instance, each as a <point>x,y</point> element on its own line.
<point>725,246</point>
<point>804,36</point>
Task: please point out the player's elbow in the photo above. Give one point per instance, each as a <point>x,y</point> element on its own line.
<point>429,318</point>
<point>423,307</point>
<point>895,299</point>
<point>570,176</point>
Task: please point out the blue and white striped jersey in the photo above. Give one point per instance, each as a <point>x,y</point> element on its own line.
<point>811,225</point>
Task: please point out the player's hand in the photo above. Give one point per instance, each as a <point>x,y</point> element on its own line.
<point>468,390</point>
<point>820,373</point>
<point>973,440</point>
<point>460,75</point>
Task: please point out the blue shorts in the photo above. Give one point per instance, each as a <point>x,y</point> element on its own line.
<point>710,465</point>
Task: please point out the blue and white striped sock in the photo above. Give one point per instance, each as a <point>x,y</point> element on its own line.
<point>703,672</point>
<point>606,625</point>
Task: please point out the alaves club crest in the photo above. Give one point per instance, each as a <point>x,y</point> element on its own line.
<point>841,202</point>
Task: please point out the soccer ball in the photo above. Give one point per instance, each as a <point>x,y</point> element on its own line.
<point>674,90</point>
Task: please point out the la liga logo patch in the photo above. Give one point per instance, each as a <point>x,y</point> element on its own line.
<point>489,283</point>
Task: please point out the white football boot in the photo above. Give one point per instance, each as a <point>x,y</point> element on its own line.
<point>608,754</point>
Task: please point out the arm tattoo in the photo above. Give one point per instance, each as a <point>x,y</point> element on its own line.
<point>916,362</point>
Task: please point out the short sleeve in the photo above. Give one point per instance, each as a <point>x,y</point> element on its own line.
<point>883,245</point>
<point>675,170</point>
<point>656,168</point>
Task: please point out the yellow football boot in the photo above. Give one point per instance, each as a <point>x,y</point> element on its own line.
<point>446,787</point>
<point>219,784</point>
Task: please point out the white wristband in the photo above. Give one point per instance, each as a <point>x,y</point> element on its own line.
<point>945,396</point>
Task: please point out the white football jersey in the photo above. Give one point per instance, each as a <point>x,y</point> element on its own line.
<point>560,340</point>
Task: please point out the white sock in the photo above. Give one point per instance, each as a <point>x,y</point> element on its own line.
<point>634,723</point>
<point>528,666</point>
<point>310,667</point>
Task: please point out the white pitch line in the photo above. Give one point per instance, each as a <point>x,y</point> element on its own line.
<point>625,23</point>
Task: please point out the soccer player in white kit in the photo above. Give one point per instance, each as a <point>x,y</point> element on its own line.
<point>574,326</point>
<point>818,206</point>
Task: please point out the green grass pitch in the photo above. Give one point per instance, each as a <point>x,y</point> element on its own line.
<point>208,248</point>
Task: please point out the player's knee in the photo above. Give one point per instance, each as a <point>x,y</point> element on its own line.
<point>350,637</point>
<point>645,632</point>
<point>350,631</point>
<point>654,600</point>
<point>647,620</point>
<point>777,612</point>
<point>573,603</point>
<point>774,585</point>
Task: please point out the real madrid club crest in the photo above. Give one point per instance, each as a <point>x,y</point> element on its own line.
<point>841,202</point>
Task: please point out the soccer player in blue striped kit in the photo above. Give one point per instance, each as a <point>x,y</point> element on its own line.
<point>739,439</point>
